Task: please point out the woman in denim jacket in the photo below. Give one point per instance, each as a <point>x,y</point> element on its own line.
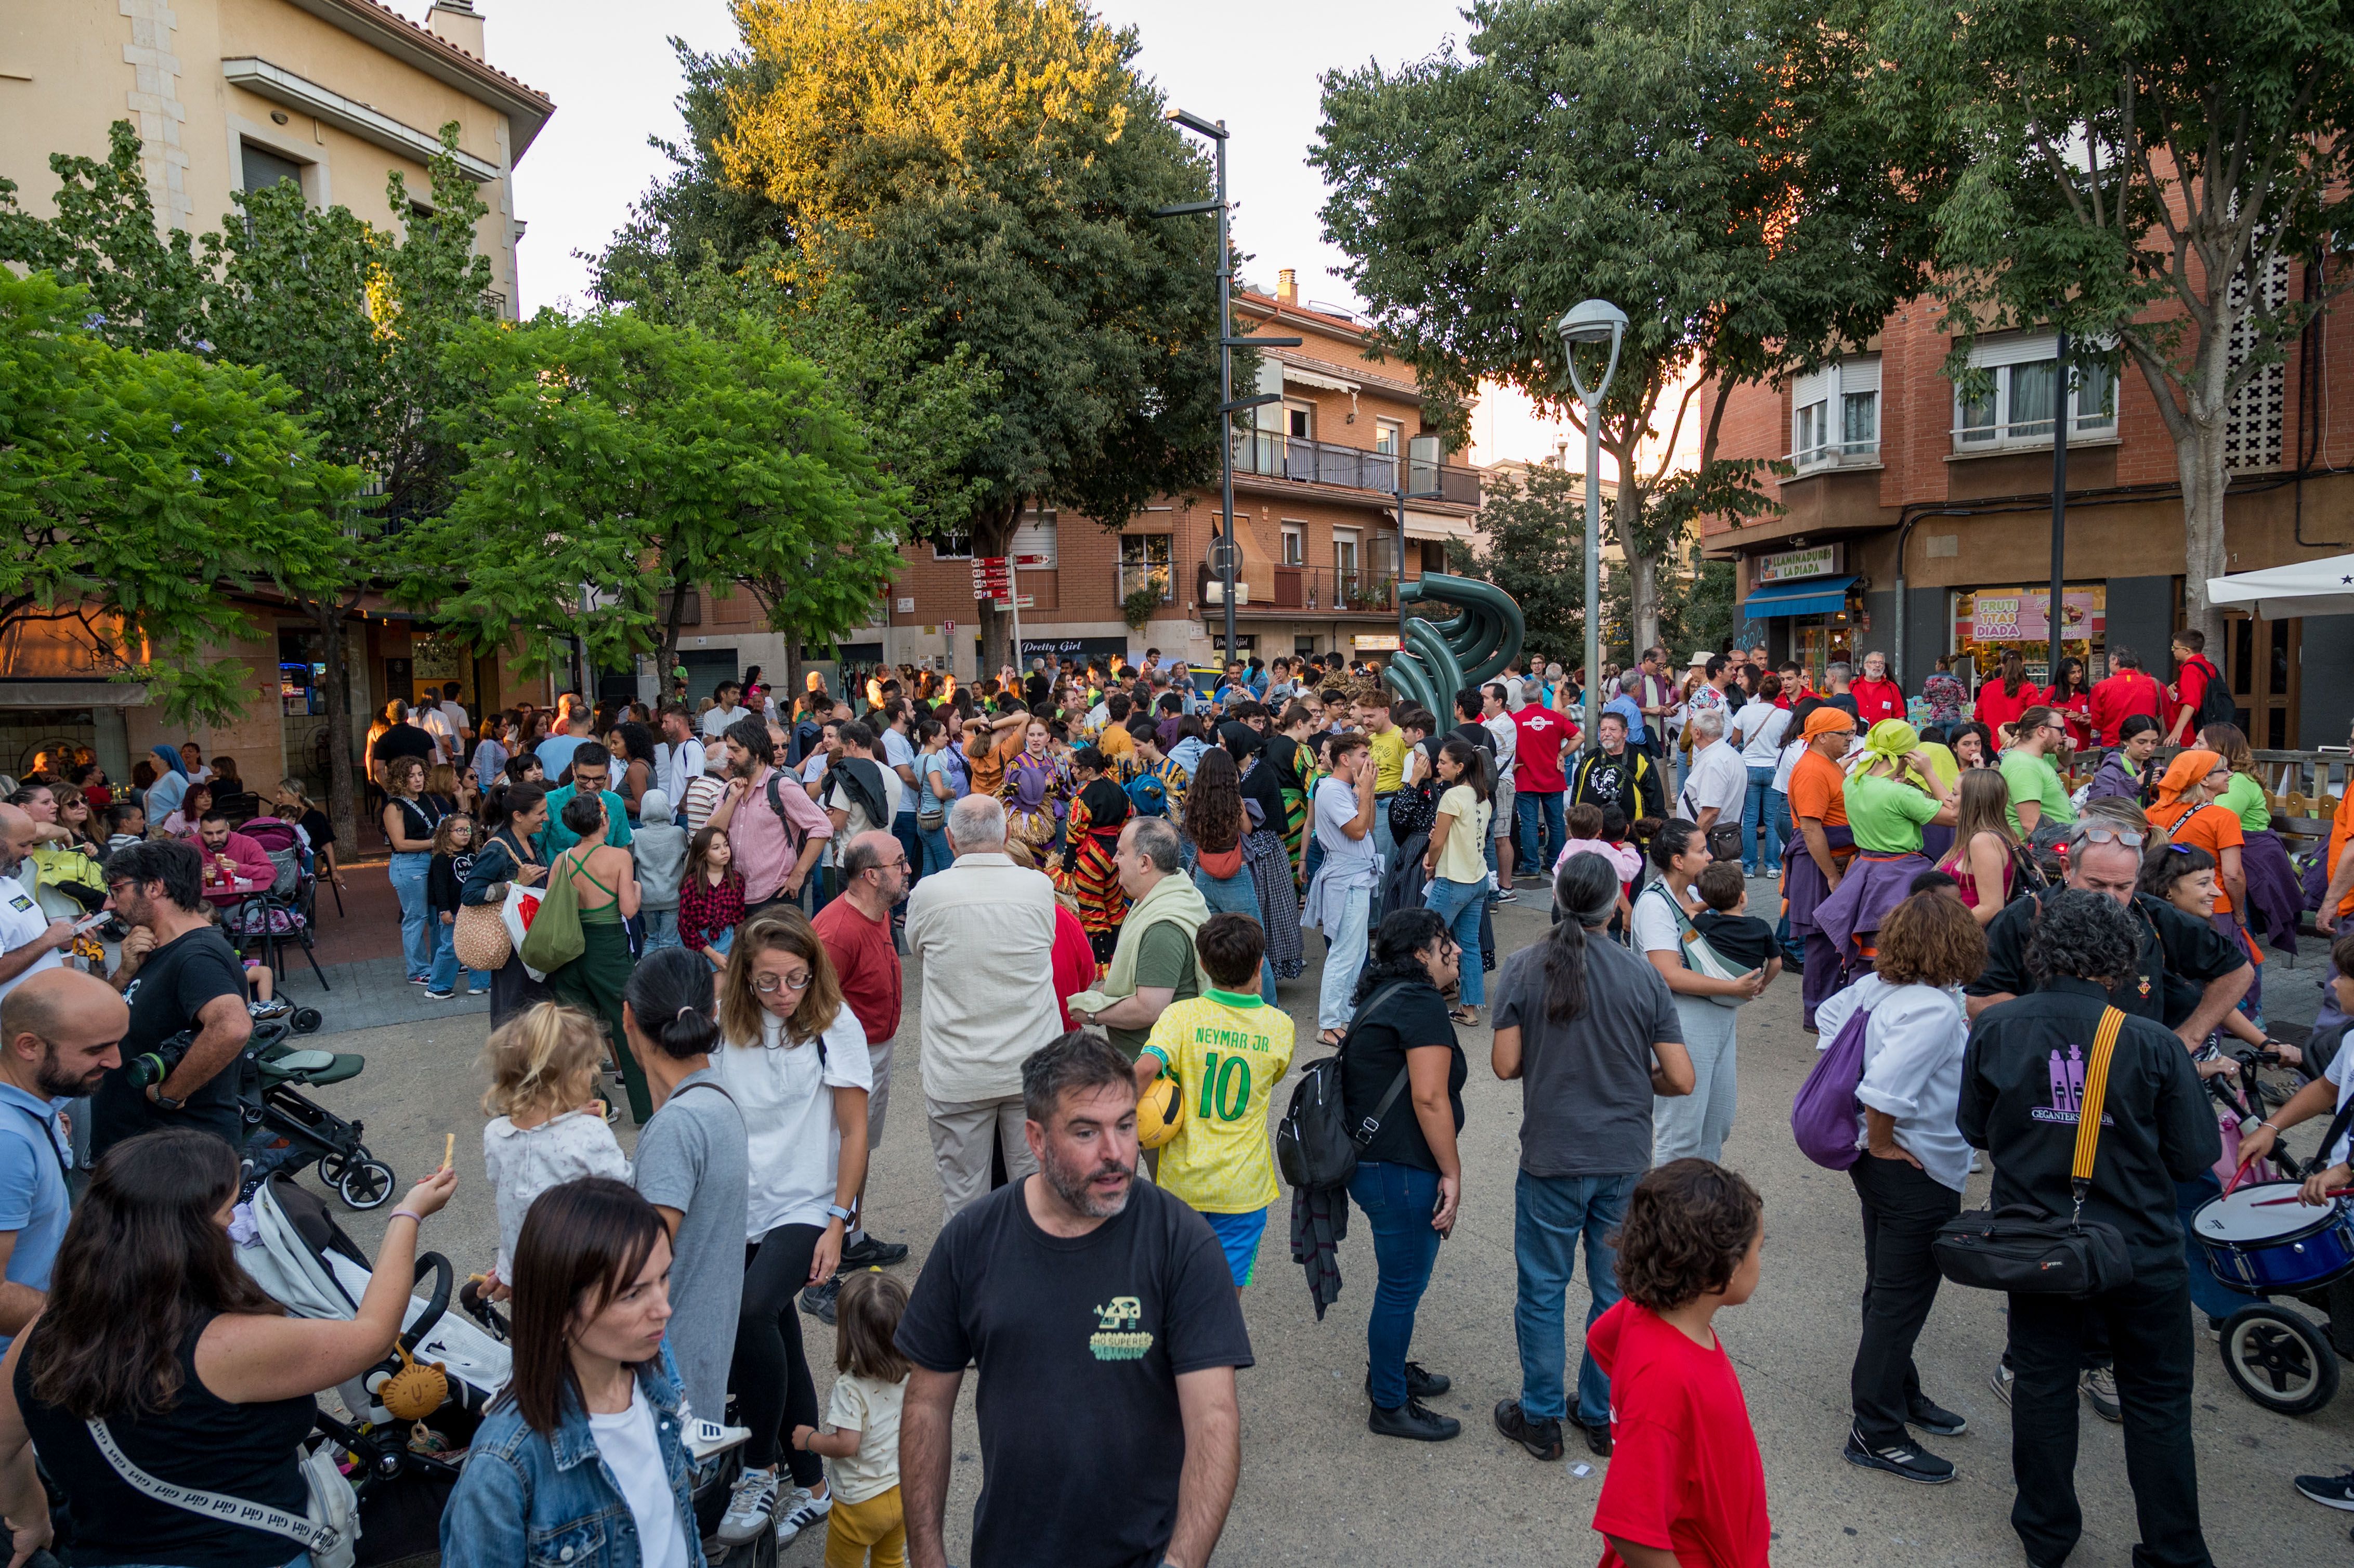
<point>582,1461</point>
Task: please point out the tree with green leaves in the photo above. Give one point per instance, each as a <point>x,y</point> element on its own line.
<point>2142,176</point>
<point>983,174</point>
<point>140,491</point>
<point>619,464</point>
<point>354,319</point>
<point>1711,172</point>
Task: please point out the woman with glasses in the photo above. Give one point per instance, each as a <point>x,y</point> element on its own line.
<point>795,1060</point>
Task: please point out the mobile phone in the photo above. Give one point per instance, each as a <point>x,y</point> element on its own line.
<point>89,921</point>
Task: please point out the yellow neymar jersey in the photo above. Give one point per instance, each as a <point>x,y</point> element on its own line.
<point>1227,1053</point>
<point>1388,751</point>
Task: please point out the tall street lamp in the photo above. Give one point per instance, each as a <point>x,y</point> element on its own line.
<point>1593,320</point>
<point>1229,557</point>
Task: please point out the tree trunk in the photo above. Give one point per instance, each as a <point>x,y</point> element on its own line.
<point>668,658</point>
<point>342,807</point>
<point>2198,459</point>
<point>1643,612</point>
<point>993,534</point>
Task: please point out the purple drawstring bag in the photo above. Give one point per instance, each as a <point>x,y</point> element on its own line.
<point>1822,1118</point>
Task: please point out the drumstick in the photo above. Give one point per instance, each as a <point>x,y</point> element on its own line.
<point>2298,1197</point>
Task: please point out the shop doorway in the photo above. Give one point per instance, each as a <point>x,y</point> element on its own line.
<point>2262,664</point>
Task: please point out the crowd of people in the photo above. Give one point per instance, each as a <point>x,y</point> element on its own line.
<point>1107,875</point>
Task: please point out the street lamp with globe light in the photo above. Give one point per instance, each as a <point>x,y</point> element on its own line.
<point>1593,320</point>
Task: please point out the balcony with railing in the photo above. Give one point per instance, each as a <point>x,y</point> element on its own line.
<point>1274,455</point>
<point>1266,589</point>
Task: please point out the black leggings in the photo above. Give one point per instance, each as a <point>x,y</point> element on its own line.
<point>774,1392</point>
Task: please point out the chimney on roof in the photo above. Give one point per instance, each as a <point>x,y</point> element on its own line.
<point>1286,286</point>
<point>457,22</point>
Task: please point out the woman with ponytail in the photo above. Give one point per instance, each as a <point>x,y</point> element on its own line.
<point>692,1164</point>
<point>1590,1030</point>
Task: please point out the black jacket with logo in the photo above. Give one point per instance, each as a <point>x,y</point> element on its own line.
<point>2022,1084</point>
<point>2173,945</point>
<point>1630,781</point>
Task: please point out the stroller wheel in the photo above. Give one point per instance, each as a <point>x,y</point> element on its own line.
<point>2279,1359</point>
<point>364,1184</point>
<point>306,1020</point>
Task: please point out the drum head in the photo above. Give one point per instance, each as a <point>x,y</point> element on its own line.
<point>2255,1213</point>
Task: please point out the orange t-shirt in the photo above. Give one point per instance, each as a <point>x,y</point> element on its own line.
<point>2341,833</point>
<point>2213,829</point>
<point>1819,789</point>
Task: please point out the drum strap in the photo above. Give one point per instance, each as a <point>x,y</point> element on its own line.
<point>2088,1113</point>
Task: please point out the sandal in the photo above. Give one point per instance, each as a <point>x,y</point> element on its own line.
<point>1329,1039</point>
<point>1463,1016</point>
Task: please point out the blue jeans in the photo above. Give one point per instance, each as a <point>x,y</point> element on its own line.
<point>1344,958</point>
<point>938,856</point>
<point>417,922</point>
<point>444,973</point>
<point>1760,823</point>
<point>1533,849</point>
<point>1551,1214</point>
<point>911,841</point>
<point>661,928</point>
<point>1384,844</point>
<point>1460,905</point>
<point>1398,1201</point>
<point>1236,895</point>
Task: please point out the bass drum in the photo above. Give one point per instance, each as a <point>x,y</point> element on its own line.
<point>2262,1240</point>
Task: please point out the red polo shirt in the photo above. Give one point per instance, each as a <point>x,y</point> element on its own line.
<point>1877,700</point>
<point>865,963</point>
<point>2118,698</point>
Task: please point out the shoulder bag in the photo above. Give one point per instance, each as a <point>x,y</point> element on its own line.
<point>328,1534</point>
<point>2022,1248</point>
<point>554,938</point>
<point>1314,1143</point>
<point>1698,956</point>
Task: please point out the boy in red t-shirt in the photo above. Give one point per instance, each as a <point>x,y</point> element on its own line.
<point>1685,1483</point>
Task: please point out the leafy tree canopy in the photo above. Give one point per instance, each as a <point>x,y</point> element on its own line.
<point>141,490</point>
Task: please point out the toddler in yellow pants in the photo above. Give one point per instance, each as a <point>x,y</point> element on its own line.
<point>860,1442</point>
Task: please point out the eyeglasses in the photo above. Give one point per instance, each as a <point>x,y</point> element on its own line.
<point>2115,836</point>
<point>769,985</point>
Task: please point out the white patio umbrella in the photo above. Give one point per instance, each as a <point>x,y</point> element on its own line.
<point>2305,587</point>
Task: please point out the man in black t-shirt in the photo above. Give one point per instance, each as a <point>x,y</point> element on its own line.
<point>401,739</point>
<point>178,973</point>
<point>1103,1319</point>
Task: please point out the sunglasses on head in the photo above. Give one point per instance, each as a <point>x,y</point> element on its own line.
<point>2115,836</point>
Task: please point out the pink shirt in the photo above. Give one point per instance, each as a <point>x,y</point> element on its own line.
<point>253,866</point>
<point>764,850</point>
<point>1625,857</point>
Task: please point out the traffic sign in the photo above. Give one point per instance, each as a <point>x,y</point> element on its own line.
<point>949,627</point>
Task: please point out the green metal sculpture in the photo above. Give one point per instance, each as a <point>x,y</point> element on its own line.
<point>1440,658</point>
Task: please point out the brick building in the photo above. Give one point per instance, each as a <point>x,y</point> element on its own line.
<point>1918,520</point>
<point>1316,510</point>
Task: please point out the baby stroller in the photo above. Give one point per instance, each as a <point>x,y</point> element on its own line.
<point>280,915</point>
<point>285,1132</point>
<point>2259,1240</point>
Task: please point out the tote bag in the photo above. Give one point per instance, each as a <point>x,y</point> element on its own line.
<point>554,938</point>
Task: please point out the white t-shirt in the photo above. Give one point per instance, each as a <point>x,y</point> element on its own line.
<point>1504,740</point>
<point>436,723</point>
<point>1761,725</point>
<point>792,1141</point>
<point>869,1408</point>
<point>627,1442</point>
<point>455,713</point>
<point>22,922</point>
<point>1654,925</point>
<point>2341,1073</point>
<point>840,800</point>
<point>1717,779</point>
<point>1787,763</point>
<point>716,720</point>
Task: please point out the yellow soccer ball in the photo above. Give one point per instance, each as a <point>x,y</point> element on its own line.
<point>1160,1112</point>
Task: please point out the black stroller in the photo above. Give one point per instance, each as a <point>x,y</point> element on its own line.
<point>285,1132</point>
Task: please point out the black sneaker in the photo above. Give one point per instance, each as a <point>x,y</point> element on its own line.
<point>1542,1438</point>
<point>868,1253</point>
<point>1420,1382</point>
<point>1899,1459</point>
<point>1597,1439</point>
<point>2329,1491</point>
<point>818,1300</point>
<point>1936,1420</point>
<point>1413,1420</point>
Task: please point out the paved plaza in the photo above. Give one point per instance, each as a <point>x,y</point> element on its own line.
<point>1317,1488</point>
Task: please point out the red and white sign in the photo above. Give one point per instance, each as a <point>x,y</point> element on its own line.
<point>992,578</point>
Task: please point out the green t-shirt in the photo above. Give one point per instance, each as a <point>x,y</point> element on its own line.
<point>2033,778</point>
<point>1886,815</point>
<point>1164,959</point>
<point>2246,800</point>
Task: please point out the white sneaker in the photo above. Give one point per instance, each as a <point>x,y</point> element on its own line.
<point>798,1511</point>
<point>750,1507</point>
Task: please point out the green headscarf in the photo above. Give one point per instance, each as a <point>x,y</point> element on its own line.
<point>1892,740</point>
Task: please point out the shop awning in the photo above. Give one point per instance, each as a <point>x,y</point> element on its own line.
<point>1809,596</point>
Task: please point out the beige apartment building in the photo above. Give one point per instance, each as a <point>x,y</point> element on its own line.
<point>231,95</point>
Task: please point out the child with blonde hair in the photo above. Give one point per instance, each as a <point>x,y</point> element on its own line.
<point>861,1440</point>
<point>546,1126</point>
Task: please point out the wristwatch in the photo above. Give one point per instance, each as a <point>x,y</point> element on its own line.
<point>836,1212</point>
<point>157,1097</point>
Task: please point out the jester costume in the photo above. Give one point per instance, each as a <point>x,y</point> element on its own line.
<point>1087,871</point>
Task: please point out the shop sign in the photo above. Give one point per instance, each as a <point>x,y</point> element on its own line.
<point>1815,561</point>
<point>2025,615</point>
<point>1375,642</point>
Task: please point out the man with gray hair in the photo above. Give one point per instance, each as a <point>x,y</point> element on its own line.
<point>1717,784</point>
<point>1154,964</point>
<point>984,932</point>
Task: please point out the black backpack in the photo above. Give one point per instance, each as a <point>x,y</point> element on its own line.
<point>1314,1144</point>
<point>2215,703</point>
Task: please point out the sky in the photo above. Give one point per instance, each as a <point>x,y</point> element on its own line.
<point>616,81</point>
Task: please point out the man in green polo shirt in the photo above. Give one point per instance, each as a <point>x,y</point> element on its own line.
<point>592,766</point>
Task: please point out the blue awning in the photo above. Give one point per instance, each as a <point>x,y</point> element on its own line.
<point>1808,596</point>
